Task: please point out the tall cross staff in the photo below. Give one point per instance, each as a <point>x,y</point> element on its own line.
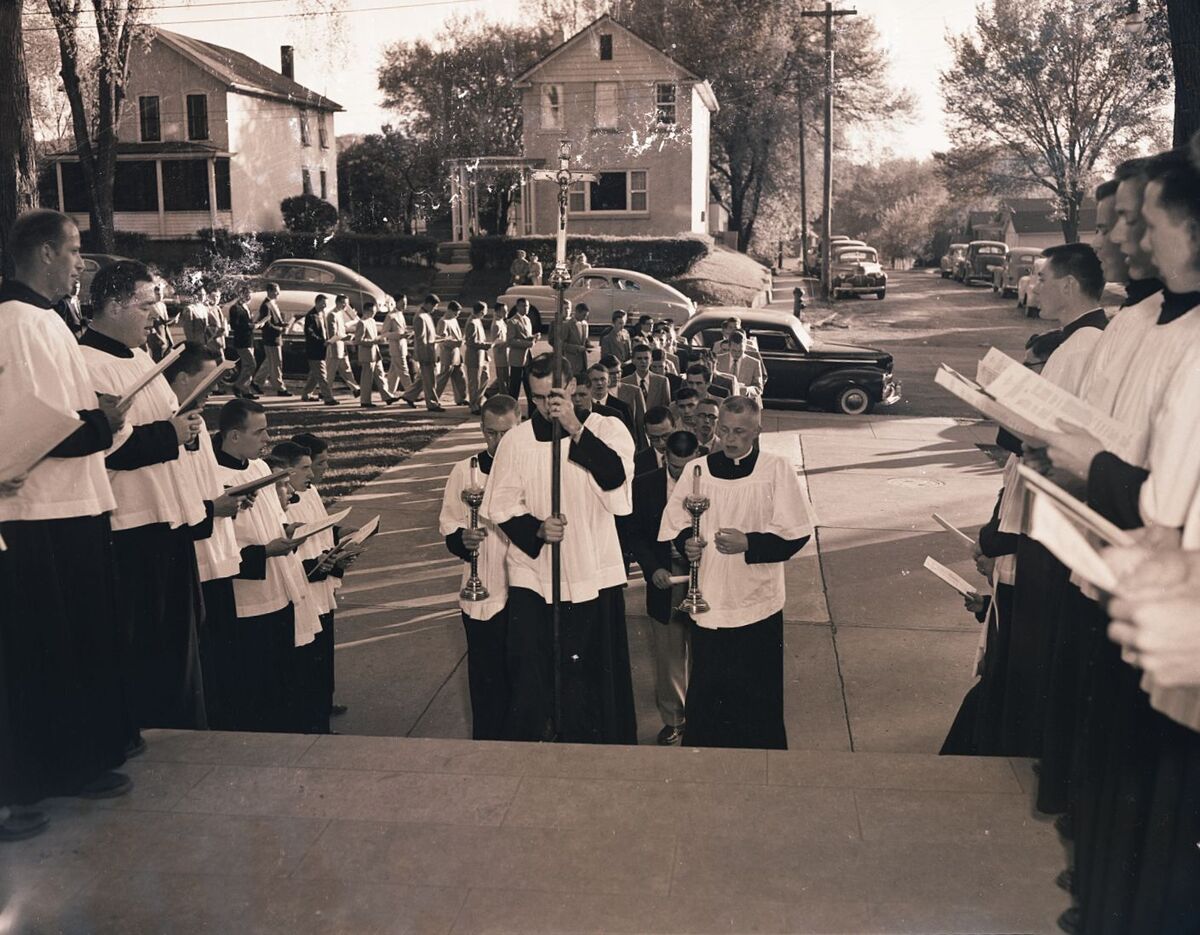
<point>560,278</point>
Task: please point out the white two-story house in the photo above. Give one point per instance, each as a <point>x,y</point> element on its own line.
<point>210,138</point>
<point>635,117</point>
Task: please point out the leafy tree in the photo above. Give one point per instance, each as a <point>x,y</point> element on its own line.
<point>308,214</point>
<point>906,228</point>
<point>1183,18</point>
<point>386,180</point>
<point>1057,85</point>
<point>18,164</point>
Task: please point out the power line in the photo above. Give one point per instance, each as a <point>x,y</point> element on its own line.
<point>297,15</point>
<point>165,6</point>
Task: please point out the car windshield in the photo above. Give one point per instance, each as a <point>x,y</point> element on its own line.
<point>990,249</point>
<point>856,256</point>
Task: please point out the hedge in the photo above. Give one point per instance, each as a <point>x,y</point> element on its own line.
<point>660,257</point>
<point>351,249</point>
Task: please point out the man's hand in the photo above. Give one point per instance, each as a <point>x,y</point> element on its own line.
<point>562,409</point>
<point>1072,450</point>
<point>974,603</point>
<point>187,426</point>
<point>113,411</point>
<point>1162,635</point>
<point>731,541</point>
<point>1151,575</point>
<point>10,487</point>
<point>553,529</point>
<point>694,548</point>
<point>228,506</point>
<point>280,546</point>
<point>1036,459</point>
<point>661,579</point>
<point>473,538</point>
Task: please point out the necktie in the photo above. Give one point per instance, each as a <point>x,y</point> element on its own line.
<point>645,392</point>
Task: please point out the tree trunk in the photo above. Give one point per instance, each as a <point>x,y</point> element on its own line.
<point>1183,17</point>
<point>18,161</point>
<point>1070,221</point>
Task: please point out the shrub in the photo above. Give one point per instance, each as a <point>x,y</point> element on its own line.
<point>308,213</point>
<point>660,257</point>
<point>256,250</point>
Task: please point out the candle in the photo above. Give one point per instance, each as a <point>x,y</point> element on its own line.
<point>696,481</point>
<point>474,467</point>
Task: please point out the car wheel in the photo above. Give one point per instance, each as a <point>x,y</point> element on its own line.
<point>853,401</point>
<point>880,294</point>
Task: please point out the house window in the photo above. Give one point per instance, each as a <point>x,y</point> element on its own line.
<point>606,47</point>
<point>606,105</point>
<point>322,130</point>
<point>185,184</point>
<point>148,118</point>
<point>324,186</point>
<point>75,194</point>
<point>552,107</point>
<point>612,191</point>
<point>224,193</point>
<point>305,139</point>
<point>664,100</point>
<point>197,116</point>
<point>306,181</point>
<point>135,185</point>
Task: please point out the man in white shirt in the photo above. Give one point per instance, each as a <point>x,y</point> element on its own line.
<point>425,354</point>
<point>475,355</point>
<point>336,363</point>
<point>450,355</point>
<point>370,366</point>
<point>395,332</point>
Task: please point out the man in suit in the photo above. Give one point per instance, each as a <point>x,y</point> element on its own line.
<point>643,331</point>
<point>630,395</point>
<point>582,397</point>
<point>370,365</point>
<point>517,344</point>
<point>658,365</point>
<point>655,389</point>
<point>728,327</point>
<point>336,362</point>
<point>617,342</point>
<point>704,423</point>
<point>660,423</point>
<point>316,336</point>
<point>573,335</point>
<point>684,408</point>
<point>700,378</point>
<point>721,380</point>
<point>597,380</point>
<point>425,354</point>
<point>450,356</point>
<point>748,371</point>
<point>476,355</point>
<point>659,563</point>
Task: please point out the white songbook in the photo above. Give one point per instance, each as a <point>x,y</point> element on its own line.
<point>203,387</point>
<point>305,530</point>
<point>955,581</point>
<point>963,539</point>
<point>148,377</point>
<point>1079,512</point>
<point>32,430</point>
<point>1051,527</point>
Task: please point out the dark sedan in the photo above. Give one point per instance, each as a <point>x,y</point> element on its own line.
<point>839,377</point>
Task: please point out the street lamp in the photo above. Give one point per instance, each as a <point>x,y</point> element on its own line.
<point>1134,22</point>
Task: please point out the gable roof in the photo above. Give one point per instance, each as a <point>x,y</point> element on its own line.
<point>1037,215</point>
<point>704,87</point>
<point>243,74</point>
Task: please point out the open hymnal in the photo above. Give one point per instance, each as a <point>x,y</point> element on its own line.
<point>1050,526</point>
<point>1078,511</point>
<point>250,486</point>
<point>205,385</point>
<point>358,537</point>
<point>955,581</point>
<point>304,530</point>
<point>981,399</point>
<point>961,537</point>
<point>32,430</point>
<point>148,377</point>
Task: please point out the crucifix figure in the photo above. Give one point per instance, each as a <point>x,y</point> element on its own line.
<point>560,278</point>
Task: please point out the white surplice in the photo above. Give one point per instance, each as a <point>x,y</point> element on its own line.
<point>493,551</point>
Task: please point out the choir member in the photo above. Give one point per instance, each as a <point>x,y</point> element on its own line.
<point>275,611</point>
<point>485,621</point>
<point>160,509</point>
<point>596,470</point>
<point>61,723</point>
<point>758,518</point>
<point>660,423</point>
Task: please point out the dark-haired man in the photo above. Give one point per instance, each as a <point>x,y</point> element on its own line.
<point>58,640</point>
<point>573,335</point>
<point>518,342</point>
<point>655,389</point>
<point>748,372</point>
<point>699,377</point>
<point>707,413</point>
<point>241,333</point>
<point>597,466</point>
<point>630,395</point>
<point>617,342</point>
<point>1112,260</point>
<point>485,621</point>
<point>602,396</point>
<point>316,340</point>
<point>272,325</point>
<point>660,423</point>
<point>660,563</point>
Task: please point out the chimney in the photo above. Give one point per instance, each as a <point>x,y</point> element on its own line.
<point>287,61</point>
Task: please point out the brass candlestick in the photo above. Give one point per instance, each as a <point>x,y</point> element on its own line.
<point>694,602</point>
<point>472,496</point>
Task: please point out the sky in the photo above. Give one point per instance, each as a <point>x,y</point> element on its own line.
<point>343,67</point>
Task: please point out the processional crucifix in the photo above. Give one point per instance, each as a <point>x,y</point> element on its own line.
<point>560,278</point>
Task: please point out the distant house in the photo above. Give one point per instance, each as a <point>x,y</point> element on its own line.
<point>1028,222</point>
<point>634,116</point>
<point>210,138</point>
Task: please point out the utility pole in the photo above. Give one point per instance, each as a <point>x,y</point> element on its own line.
<point>827,207</point>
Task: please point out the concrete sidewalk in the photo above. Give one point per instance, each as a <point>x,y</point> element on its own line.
<point>878,652</point>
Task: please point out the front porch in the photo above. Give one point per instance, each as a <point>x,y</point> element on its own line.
<point>466,175</point>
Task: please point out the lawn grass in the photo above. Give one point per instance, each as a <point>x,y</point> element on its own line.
<point>362,444</point>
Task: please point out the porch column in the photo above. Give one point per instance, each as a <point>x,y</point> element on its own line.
<point>58,181</point>
<point>455,195</point>
<point>212,192</point>
<point>162,211</point>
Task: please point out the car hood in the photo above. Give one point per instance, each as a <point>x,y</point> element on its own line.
<point>847,352</point>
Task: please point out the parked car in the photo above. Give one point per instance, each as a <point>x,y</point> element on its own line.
<point>1017,263</point>
<point>312,276</point>
<point>1027,289</point>
<point>839,377</point>
<point>604,289</point>
<point>813,257</point>
<point>855,270</point>
<point>981,258</point>
<point>950,260</point>
<point>92,264</point>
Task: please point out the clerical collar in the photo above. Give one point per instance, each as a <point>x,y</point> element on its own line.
<point>721,466</point>
<point>542,427</point>
<point>1096,318</point>
<point>1138,290</point>
<point>102,342</point>
<point>485,461</point>
<point>11,290</point>
<point>1176,305</point>
<point>225,459</point>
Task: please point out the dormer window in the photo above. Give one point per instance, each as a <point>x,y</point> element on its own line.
<point>552,107</point>
<point>606,47</point>
<point>664,101</point>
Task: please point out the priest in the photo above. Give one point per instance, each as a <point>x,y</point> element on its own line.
<point>485,621</point>
<point>158,501</point>
<point>758,517</point>
<point>597,469</point>
<point>61,725</point>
